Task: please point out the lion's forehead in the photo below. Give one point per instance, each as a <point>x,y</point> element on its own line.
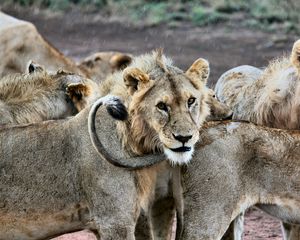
<point>170,88</point>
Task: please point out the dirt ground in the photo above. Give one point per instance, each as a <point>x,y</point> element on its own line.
<point>224,45</point>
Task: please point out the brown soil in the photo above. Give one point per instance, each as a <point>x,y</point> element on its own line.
<point>224,45</point>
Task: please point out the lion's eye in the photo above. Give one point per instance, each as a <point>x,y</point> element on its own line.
<point>191,101</point>
<point>162,106</point>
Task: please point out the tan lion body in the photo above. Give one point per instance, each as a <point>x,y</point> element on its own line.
<point>270,98</point>
<point>55,182</point>
<point>21,42</point>
<point>263,164</point>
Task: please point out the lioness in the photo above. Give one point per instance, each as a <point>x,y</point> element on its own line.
<point>269,97</point>
<point>39,95</point>
<point>53,180</point>
<point>21,42</point>
<point>235,166</point>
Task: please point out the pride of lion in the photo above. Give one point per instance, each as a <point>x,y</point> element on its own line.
<point>121,144</point>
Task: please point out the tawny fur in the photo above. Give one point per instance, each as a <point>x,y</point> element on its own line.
<point>140,128</point>
<point>145,82</point>
<point>141,85</point>
<point>55,182</point>
<point>269,97</point>
<point>262,167</point>
<point>40,96</point>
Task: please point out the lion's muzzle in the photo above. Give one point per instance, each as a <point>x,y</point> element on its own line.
<point>181,138</point>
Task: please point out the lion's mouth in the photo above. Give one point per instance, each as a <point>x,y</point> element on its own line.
<point>181,149</point>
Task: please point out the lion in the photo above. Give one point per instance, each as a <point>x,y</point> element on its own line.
<point>262,168</point>
<point>269,98</point>
<point>55,181</point>
<point>21,42</point>
<point>152,80</point>
<point>253,172</point>
<point>167,106</point>
<point>39,95</point>
<point>166,109</point>
<point>82,201</point>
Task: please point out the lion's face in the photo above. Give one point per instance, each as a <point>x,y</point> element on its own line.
<point>171,105</point>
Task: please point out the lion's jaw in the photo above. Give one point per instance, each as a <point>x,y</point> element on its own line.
<point>179,158</point>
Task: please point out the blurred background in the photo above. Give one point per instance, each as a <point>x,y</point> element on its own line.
<point>226,32</point>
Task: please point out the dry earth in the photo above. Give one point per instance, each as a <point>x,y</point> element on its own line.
<point>224,45</point>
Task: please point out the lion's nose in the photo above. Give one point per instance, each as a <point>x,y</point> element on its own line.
<point>181,138</point>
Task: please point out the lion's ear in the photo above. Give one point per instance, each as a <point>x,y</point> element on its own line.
<point>295,56</point>
<point>88,63</point>
<point>34,67</point>
<point>134,79</point>
<point>199,71</point>
<point>77,91</point>
<point>218,110</point>
<point>120,61</point>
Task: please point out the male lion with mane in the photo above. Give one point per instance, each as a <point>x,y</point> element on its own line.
<point>270,98</point>
<point>166,105</point>
<point>166,110</point>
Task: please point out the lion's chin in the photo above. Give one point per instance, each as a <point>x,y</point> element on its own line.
<point>179,157</point>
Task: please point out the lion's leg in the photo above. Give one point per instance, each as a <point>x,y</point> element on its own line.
<point>116,230</point>
<point>142,228</point>
<point>229,234</point>
<point>236,229</point>
<point>290,231</point>
<point>209,207</point>
<point>295,56</point>
<point>96,233</point>
<point>162,216</point>
<point>286,230</point>
<point>205,219</point>
<point>239,226</point>
<point>157,224</point>
<point>113,214</point>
